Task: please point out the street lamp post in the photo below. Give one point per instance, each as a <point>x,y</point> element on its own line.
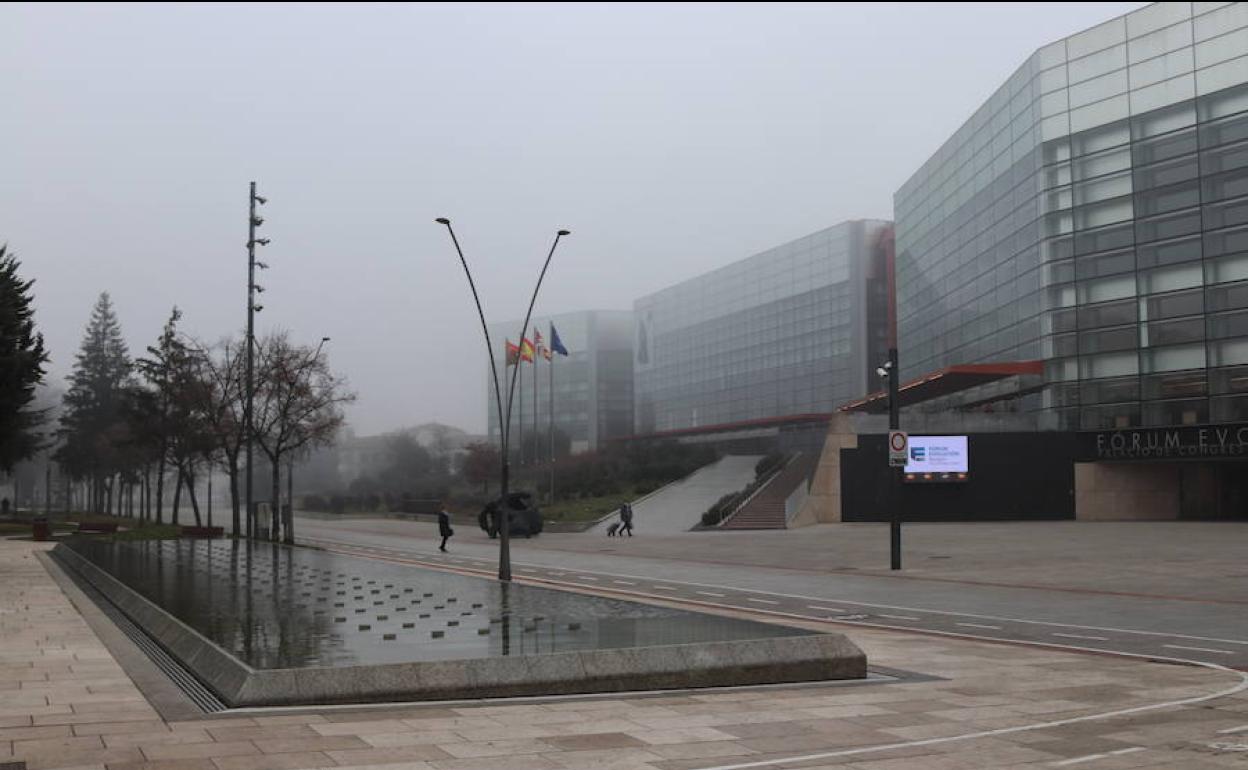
<point>504,417</point>
<point>253,221</point>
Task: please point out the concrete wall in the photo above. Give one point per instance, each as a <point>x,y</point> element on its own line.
<point>1126,491</point>
<point>823,504</point>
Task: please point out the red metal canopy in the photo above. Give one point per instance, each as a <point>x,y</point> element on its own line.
<point>943,382</point>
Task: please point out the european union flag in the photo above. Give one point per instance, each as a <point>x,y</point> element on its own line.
<point>556,344</point>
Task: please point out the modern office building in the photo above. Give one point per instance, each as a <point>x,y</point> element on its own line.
<point>1093,215</point>
<point>1074,260</point>
<point>784,336</point>
<point>593,384</point>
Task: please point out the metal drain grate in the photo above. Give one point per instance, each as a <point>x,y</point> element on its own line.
<point>200,695</point>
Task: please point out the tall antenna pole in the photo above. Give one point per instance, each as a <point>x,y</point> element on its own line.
<point>253,221</point>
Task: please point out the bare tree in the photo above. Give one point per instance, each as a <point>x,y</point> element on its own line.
<point>223,370</point>
<point>298,407</point>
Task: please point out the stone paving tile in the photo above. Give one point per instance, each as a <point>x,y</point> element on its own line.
<point>702,750</point>
<point>388,755</point>
<point>525,762</point>
<point>165,764</point>
<point>157,737</point>
<point>384,740</point>
<point>254,732</point>
<point>290,761</point>
<point>318,743</point>
<point>592,741</point>
<point>200,750</point>
<point>495,748</point>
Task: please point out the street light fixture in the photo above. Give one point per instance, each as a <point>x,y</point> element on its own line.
<point>253,221</point>
<point>504,416</point>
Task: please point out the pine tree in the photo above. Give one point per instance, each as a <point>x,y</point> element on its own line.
<point>94,428</point>
<point>22,357</point>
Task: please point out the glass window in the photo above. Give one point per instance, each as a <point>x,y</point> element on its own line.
<point>1171,278</point>
<point>1172,332</point>
<point>1231,296</point>
<point>1169,172</point>
<point>1226,241</point>
<point>1104,289</point>
<point>1108,365</point>
<point>1096,64</point>
<point>1233,324</point>
<point>1173,305</point>
<point>1105,264</point>
<point>1169,252</point>
<point>1172,358</point>
<point>1110,390</point>
<point>1102,163</point>
<point>1226,213</point>
<point>1103,188</point>
<point>1232,267</point>
<point>1225,131</point>
<point>1184,412</point>
<point>1108,314</point>
<point>1229,409</point>
<point>1108,340</point>
<point>1161,69</point>
<point>1190,384</point>
<point>1164,147</point>
<point>1105,239</point>
<point>1157,43</point>
<point>1228,352</point>
<point>1168,226</point>
<point>1232,379</point>
<point>1060,346</point>
<point>1160,94</point>
<point>1108,417</point>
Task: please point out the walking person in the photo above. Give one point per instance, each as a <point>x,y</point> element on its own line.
<point>626,518</point>
<point>444,526</point>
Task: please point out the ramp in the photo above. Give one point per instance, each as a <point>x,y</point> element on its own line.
<point>678,507</point>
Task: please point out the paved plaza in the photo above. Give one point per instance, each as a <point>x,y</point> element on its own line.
<point>936,702</point>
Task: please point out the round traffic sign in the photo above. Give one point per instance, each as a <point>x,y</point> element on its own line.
<point>897,441</point>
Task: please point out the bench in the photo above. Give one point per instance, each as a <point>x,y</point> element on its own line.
<point>201,532</point>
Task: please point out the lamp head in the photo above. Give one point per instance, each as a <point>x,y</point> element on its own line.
<point>565,232</point>
<point>261,200</point>
<point>443,221</point>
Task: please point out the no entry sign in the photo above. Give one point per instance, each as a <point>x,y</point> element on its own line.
<point>898,447</point>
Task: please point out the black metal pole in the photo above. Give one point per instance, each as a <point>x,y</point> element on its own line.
<point>251,333</point>
<point>894,423</point>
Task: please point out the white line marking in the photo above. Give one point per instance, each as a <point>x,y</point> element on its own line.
<point>1238,688</point>
<point>821,609</point>
<point>1230,730</point>
<point>624,582</point>
<point>1081,636</point>
<point>1198,649</point>
<point>665,588</point>
<point>898,617</point>
<point>1090,757</point>
<point>587,577</point>
<point>979,625</point>
<point>710,593</point>
<point>760,601</point>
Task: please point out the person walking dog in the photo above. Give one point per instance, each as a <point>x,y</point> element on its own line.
<point>444,526</point>
<point>626,518</point>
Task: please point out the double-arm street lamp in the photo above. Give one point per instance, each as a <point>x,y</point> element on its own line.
<point>504,416</point>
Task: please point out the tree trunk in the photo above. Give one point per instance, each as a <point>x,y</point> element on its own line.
<point>108,496</point>
<point>177,497</point>
<point>232,469</point>
<point>160,489</point>
<point>276,515</point>
<point>190,490</point>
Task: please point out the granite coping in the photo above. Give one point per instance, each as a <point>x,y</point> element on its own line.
<point>804,658</point>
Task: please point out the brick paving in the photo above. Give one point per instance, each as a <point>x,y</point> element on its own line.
<point>65,702</point>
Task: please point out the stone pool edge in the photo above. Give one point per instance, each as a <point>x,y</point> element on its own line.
<point>777,660</point>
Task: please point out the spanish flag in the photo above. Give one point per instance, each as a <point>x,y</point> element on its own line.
<point>526,350</point>
<point>513,354</point>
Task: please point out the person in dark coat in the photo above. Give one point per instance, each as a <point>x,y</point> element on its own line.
<point>444,526</point>
<point>626,518</point>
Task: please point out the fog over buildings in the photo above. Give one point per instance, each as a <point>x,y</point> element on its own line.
<point>670,139</point>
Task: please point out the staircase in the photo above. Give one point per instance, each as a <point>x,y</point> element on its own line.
<point>766,509</point>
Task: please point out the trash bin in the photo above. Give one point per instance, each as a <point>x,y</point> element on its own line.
<point>42,531</point>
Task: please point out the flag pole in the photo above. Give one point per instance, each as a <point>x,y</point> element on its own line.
<point>550,364</point>
<point>537,448</point>
<point>520,365</point>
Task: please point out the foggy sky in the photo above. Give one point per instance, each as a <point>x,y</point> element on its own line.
<point>670,139</point>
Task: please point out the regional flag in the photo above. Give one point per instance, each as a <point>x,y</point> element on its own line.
<point>513,354</point>
<point>542,350</point>
<point>526,350</point>
<point>555,343</point>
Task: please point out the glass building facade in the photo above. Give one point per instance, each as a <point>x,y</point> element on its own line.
<point>593,384</point>
<point>790,331</point>
<point>1093,214</point>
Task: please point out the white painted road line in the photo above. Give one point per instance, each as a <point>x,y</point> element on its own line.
<point>897,617</point>
<point>623,582</point>
<point>665,588</point>
<point>710,593</point>
<point>826,609</point>
<point>587,577</point>
<point>1229,730</point>
<point>979,625</point>
<point>1090,757</point>
<point>1081,636</point>
<point>760,601</point>
<point>1198,649</point>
